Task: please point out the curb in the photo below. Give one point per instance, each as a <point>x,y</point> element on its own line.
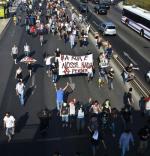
<point>4,30</point>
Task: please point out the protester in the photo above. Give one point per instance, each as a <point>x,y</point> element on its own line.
<point>64,113</point>
<point>18,74</point>
<point>72,112</point>
<point>110,76</point>
<point>127,118</point>
<point>80,122</point>
<point>14,53</point>
<point>30,66</point>
<point>60,96</point>
<point>26,49</point>
<point>144,135</point>
<point>9,125</point>
<point>124,141</point>
<point>20,92</point>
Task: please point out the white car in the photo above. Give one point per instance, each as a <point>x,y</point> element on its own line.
<point>107,28</point>
<point>147,77</point>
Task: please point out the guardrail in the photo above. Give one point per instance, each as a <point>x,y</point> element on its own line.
<point>135,82</point>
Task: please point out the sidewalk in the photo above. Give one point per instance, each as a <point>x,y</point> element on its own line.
<point>5,22</point>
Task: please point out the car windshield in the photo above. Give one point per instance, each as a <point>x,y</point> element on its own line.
<point>102,6</point>
<point>111,27</point>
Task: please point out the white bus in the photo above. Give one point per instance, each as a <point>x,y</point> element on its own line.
<point>137,19</point>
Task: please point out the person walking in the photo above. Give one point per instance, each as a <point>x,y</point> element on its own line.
<point>110,77</point>
<point>18,74</point>
<point>64,113</point>
<point>144,135</point>
<point>20,92</point>
<point>30,66</point>
<point>80,121</point>
<point>14,53</point>
<point>72,111</point>
<point>124,141</point>
<point>96,138</point>
<point>26,49</point>
<point>9,125</point>
<point>129,99</point>
<point>41,39</point>
<point>72,41</point>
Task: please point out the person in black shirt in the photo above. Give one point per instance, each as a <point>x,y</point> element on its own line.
<point>64,113</point>
<point>29,66</point>
<point>126,117</point>
<point>144,135</point>
<point>110,77</point>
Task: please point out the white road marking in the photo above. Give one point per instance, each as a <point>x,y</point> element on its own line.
<point>127,55</point>
<point>95,23</point>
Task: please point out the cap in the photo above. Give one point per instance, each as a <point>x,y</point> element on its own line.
<point>64,104</point>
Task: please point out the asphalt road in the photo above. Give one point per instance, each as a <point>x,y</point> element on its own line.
<point>27,140</point>
<point>126,40</point>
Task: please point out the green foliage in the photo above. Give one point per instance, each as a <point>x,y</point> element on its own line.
<point>145,4</point>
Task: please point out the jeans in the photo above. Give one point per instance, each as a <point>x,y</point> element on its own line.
<point>59,104</point>
<point>124,149</point>
<point>65,118</point>
<point>72,44</point>
<point>54,78</point>
<point>80,124</point>
<point>10,132</point>
<point>21,98</point>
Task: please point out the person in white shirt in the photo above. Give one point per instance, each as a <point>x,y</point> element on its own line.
<point>9,125</point>
<point>20,92</point>
<point>26,49</point>
<point>48,64</point>
<point>80,122</point>
<point>14,53</point>
<point>72,111</point>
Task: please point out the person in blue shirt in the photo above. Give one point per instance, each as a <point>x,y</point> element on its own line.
<point>60,96</point>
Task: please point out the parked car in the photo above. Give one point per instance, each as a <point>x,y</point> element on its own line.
<point>107,28</point>
<point>100,9</point>
<point>83,8</point>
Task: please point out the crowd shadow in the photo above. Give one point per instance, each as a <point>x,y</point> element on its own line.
<point>22,122</point>
<point>28,93</point>
<point>36,67</point>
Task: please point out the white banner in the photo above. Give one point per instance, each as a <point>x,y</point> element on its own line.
<point>75,64</point>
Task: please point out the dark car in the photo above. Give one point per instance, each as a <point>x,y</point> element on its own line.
<point>107,5</point>
<point>100,9</point>
<point>84,1</point>
<point>95,1</point>
<point>83,8</point>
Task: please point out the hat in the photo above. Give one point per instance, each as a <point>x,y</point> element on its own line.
<point>131,65</point>
<point>64,104</point>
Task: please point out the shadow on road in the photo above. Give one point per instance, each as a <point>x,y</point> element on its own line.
<point>22,122</point>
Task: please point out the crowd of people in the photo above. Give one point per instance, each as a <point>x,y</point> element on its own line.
<point>102,118</point>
